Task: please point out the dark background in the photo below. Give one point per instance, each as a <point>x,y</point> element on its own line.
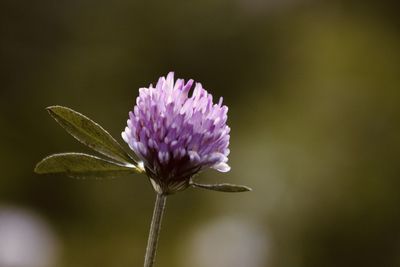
<point>313,95</point>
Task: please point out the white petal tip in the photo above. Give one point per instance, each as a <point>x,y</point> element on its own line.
<point>222,167</point>
<point>125,137</point>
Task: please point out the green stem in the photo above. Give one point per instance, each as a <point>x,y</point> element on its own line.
<point>155,227</point>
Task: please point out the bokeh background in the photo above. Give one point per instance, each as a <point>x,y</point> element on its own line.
<point>314,98</point>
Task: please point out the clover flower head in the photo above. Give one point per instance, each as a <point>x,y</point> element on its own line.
<point>177,133</point>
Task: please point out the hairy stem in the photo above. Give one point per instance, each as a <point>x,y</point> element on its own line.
<point>155,227</point>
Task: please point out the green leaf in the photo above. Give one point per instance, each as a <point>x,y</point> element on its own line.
<point>89,133</point>
<point>231,188</point>
<point>78,165</point>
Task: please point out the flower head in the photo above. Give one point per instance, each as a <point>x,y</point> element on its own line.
<point>176,133</point>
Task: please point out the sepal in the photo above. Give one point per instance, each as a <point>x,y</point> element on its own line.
<point>89,133</point>
<point>230,188</point>
<point>79,165</point>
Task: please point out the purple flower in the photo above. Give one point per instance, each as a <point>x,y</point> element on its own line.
<point>177,134</point>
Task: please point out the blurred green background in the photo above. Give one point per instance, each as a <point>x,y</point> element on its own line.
<point>314,105</point>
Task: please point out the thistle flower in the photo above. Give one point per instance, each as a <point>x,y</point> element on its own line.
<point>177,134</point>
